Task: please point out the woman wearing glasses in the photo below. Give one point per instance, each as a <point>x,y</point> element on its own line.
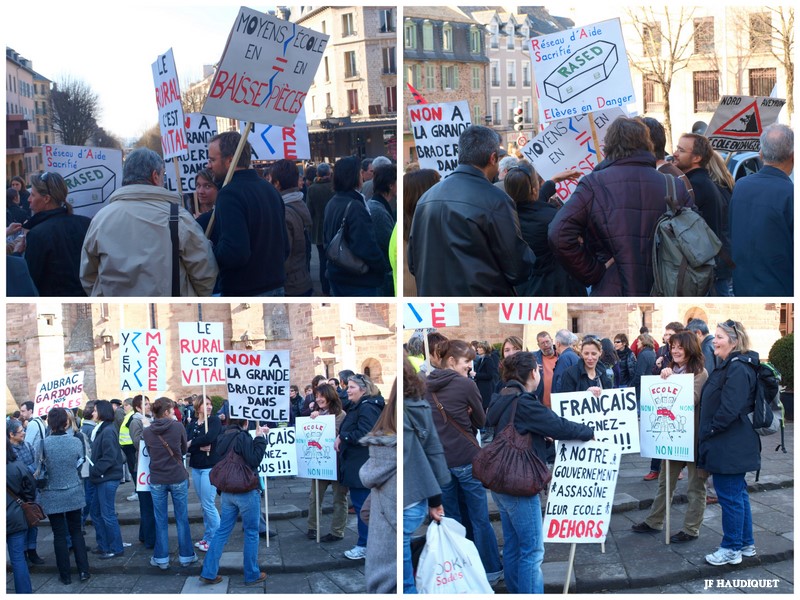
<point>588,374</point>
<point>627,361</point>
<point>729,446</point>
<point>52,245</point>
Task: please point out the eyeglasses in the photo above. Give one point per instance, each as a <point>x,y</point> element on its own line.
<point>617,341</point>
<point>591,338</point>
<point>730,323</point>
<point>359,377</point>
<point>43,177</point>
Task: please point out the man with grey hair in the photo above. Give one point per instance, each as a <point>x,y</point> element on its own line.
<point>706,342</point>
<point>369,184</point>
<point>762,221</point>
<point>506,163</point>
<point>565,340</point>
<point>465,238</point>
<point>128,249</point>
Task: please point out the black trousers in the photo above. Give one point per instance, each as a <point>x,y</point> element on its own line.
<point>61,523</point>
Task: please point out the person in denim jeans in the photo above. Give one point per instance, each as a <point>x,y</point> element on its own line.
<point>521,516</point>
<point>166,443</point>
<point>105,475</point>
<point>247,504</point>
<point>202,457</point>
<point>458,415</point>
<point>20,481</point>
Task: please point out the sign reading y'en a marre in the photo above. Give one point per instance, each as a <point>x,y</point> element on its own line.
<point>612,415</point>
<point>667,423</point>
<point>201,352</point>
<point>143,362</point>
<point>270,142</point>
<point>436,129</point>
<point>258,384</point>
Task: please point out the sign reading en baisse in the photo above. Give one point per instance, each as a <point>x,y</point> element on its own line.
<point>265,71</point>
<point>740,120</point>
<point>581,70</point>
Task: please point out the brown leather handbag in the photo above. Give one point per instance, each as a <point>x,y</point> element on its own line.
<point>509,465</point>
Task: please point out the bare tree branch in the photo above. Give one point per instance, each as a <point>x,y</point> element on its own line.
<point>76,109</point>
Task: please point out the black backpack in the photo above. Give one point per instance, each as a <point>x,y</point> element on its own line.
<point>767,415</point>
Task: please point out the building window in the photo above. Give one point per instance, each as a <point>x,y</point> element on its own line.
<point>350,69</point>
<point>324,28</point>
<point>762,81</point>
<point>391,99</point>
<point>327,70</point>
<point>476,113</point>
<point>512,104</point>
<point>427,35</point>
<point>410,34</point>
<point>511,69</point>
<point>495,35</point>
<point>386,20</point>
<point>526,106</point>
<point>651,39</point>
<point>352,101</point>
<point>348,26</point>
<point>413,75</point>
<point>653,94</point>
<point>430,77</point>
<point>388,60</point>
<point>706,90</point>
<point>704,35</point>
<point>510,43</point>
<point>450,77</point>
<point>476,78</point>
<point>447,37</point>
<point>760,32</point>
<point>475,40</point>
<point>495,73</point>
<point>526,74</point>
<point>495,111</point>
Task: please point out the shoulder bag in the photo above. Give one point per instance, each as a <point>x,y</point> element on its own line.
<point>173,234</point>
<point>509,465</point>
<point>33,512</point>
<point>340,254</point>
<point>232,475</point>
<point>172,454</point>
<point>40,475</point>
<point>450,421</point>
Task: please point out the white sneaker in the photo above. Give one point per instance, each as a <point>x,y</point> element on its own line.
<point>186,563</point>
<point>132,498</point>
<point>724,556</point>
<point>162,566</point>
<point>356,553</point>
<point>197,544</point>
<point>749,550</point>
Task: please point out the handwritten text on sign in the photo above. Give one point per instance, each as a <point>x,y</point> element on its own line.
<point>667,424</point>
<point>143,362</point>
<point>424,315</point>
<point>258,384</point>
<point>740,120</point>
<point>581,492</point>
<point>201,352</point>
<point>265,71</point>
<point>200,129</point>
<point>581,70</point>
<point>170,109</point>
<point>612,415</point>
<point>143,470</point>
<point>65,392</point>
<point>526,312</point>
<point>280,456</point>
<point>315,454</point>
<point>270,142</point>
<point>436,129</point>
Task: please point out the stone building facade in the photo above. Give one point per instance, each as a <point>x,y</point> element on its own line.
<point>49,338</point>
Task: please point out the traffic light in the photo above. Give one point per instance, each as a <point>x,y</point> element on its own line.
<point>518,118</point>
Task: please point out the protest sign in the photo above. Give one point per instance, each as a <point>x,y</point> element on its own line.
<point>270,142</point>
<point>581,70</point>
<point>143,469</point>
<point>65,391</point>
<point>201,352</point>
<point>280,456</point>
<point>170,110</point>
<point>200,129</point>
<point>612,416</point>
<point>740,120</point>
<point>667,424</point>
<point>315,454</point>
<point>581,492</point>
<point>91,174</point>
<point>258,384</point>
<point>142,360</point>
<point>526,313</point>
<point>436,129</point>
<point>265,71</point>
<point>571,143</point>
<point>424,315</point>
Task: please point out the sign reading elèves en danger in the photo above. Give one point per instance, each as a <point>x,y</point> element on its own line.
<point>436,129</point>
<point>740,120</point>
<point>258,384</point>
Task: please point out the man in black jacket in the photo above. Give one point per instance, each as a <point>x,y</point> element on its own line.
<point>706,341</point>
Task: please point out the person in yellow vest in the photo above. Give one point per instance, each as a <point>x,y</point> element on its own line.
<point>126,443</point>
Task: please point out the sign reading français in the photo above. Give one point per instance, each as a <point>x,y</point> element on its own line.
<point>315,454</point>
<point>612,416</point>
<point>65,391</point>
<point>526,313</point>
<point>143,362</point>
<point>667,424</point>
<point>739,121</point>
<point>91,174</point>
<point>270,142</point>
<point>425,315</point>
<point>170,109</point>
<point>280,456</point>
<point>436,129</point>
<point>581,492</point>
<point>200,129</point>
<point>265,71</point>
<point>258,384</point>
<point>201,352</point>
<point>581,70</point>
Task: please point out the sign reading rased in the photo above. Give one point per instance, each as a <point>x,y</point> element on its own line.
<point>258,384</point>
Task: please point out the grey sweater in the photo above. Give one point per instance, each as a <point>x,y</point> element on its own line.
<point>64,491</point>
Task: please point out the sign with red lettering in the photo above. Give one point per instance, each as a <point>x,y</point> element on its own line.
<point>436,129</point>
<point>201,351</point>
<point>581,492</point>
<point>581,70</point>
<point>666,428</point>
<point>258,384</point>
<point>571,143</point>
<point>200,129</point>
<point>170,109</point>
<point>143,470</point>
<point>270,142</point>
<point>316,458</point>
<point>265,71</point>
<point>142,360</point>
<point>425,315</point>
<point>612,415</point>
<point>526,313</point>
<point>739,121</point>
<point>65,391</point>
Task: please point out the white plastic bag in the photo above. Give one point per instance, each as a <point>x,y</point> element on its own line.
<point>450,563</point>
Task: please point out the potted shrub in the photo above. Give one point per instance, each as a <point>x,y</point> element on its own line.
<point>782,356</point>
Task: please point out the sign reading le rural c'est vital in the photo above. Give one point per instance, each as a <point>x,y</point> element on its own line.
<point>201,352</point>
<point>436,129</point>
<point>170,109</point>
<point>740,120</point>
<point>265,71</point>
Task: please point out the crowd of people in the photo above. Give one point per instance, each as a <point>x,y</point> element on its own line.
<point>464,392</point>
<point>465,236</point>
<point>184,441</point>
<point>252,236</point>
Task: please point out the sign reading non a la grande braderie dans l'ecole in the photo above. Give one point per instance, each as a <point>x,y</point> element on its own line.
<point>258,384</point>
